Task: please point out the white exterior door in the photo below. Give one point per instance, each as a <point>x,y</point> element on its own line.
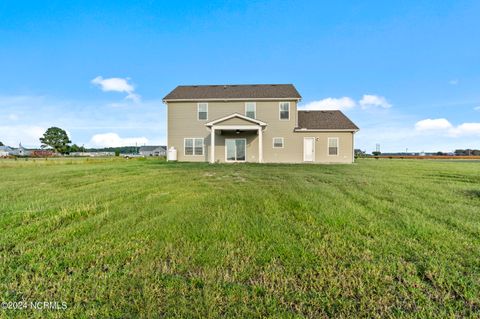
<point>308,149</point>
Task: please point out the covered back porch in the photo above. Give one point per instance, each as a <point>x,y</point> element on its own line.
<point>236,138</point>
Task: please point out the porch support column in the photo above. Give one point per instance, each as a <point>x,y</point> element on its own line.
<point>212,146</point>
<point>260,144</point>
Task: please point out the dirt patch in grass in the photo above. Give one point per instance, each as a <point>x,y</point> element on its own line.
<point>473,193</point>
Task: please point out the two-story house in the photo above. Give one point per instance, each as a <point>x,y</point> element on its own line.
<point>254,123</point>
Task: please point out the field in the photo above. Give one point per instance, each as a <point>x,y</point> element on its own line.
<point>134,238</point>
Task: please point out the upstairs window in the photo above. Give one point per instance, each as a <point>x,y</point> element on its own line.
<point>193,146</point>
<point>333,146</point>
<point>278,142</point>
<point>284,110</point>
<point>250,110</point>
<point>202,111</point>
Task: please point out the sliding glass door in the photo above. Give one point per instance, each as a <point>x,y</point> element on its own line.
<point>235,150</point>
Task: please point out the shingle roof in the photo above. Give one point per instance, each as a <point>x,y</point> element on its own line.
<point>225,92</point>
<point>324,120</point>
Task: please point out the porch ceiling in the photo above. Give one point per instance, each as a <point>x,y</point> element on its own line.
<point>236,127</point>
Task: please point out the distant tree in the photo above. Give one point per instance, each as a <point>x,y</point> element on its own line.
<point>459,152</point>
<point>77,148</point>
<point>57,139</point>
<point>376,153</point>
<point>440,153</point>
<point>74,148</point>
<point>1,144</point>
<point>117,152</point>
<point>359,153</point>
<point>476,152</point>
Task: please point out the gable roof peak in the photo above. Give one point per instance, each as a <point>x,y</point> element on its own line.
<point>237,115</point>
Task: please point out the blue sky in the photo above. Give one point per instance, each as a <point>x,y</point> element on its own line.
<point>407,72</point>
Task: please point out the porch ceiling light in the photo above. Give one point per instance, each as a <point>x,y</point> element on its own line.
<point>237,131</point>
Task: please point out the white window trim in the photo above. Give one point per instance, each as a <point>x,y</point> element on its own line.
<point>198,111</point>
<point>273,142</point>
<point>235,161</point>
<point>254,109</point>
<point>328,146</point>
<point>280,111</point>
<point>193,138</point>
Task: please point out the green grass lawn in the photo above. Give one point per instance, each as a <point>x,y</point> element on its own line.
<point>144,238</point>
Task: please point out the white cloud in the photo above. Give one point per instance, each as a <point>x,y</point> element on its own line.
<point>453,82</point>
<point>444,126</point>
<point>347,103</point>
<point>343,103</point>
<point>369,100</point>
<point>433,125</point>
<point>114,140</point>
<point>466,129</point>
<point>81,119</point>
<point>477,108</point>
<point>28,135</point>
<point>13,117</point>
<point>117,85</point>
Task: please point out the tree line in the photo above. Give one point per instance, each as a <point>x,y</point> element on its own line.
<point>58,140</point>
<point>467,152</point>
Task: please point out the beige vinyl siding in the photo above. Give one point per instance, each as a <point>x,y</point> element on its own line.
<point>293,148</point>
<point>182,123</point>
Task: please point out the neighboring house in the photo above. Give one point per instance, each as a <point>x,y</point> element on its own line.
<point>153,150</point>
<point>5,151</point>
<point>20,151</point>
<point>254,123</point>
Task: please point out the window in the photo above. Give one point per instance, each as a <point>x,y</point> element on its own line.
<point>198,150</point>
<point>284,110</point>
<point>278,142</point>
<point>193,146</point>
<point>202,111</point>
<point>333,146</point>
<point>250,110</point>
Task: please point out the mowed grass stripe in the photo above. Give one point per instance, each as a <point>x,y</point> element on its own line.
<point>145,238</point>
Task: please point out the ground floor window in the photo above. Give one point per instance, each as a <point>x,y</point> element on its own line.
<point>333,146</point>
<point>193,146</point>
<point>278,142</point>
<point>235,150</point>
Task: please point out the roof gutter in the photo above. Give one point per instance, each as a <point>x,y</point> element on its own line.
<point>233,99</point>
<point>325,130</point>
